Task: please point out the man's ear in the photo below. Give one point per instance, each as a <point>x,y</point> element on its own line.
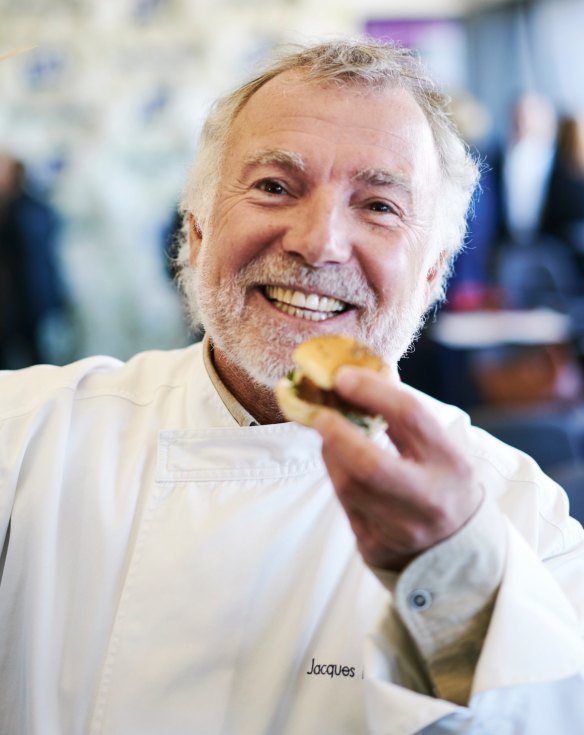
<point>195,238</point>
<point>434,277</point>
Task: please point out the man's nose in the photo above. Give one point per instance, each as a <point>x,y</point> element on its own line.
<point>319,232</point>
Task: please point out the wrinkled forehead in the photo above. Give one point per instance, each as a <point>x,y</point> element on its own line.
<point>296,85</point>
<point>371,111</point>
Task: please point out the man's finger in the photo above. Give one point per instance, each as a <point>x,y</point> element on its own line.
<point>353,460</point>
<point>413,430</point>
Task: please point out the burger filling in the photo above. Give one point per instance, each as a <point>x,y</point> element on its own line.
<point>310,392</point>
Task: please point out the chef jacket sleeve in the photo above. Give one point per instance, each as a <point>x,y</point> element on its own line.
<point>494,617</point>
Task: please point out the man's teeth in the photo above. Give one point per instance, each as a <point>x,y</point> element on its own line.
<point>308,306</point>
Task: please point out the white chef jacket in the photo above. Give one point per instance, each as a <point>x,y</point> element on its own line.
<point>166,571</point>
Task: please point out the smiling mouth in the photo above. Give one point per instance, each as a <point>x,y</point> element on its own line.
<point>310,306</point>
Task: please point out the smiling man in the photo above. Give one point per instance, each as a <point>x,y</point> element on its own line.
<point>179,559</point>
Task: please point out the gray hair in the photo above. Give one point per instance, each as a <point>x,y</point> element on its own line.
<point>359,63</point>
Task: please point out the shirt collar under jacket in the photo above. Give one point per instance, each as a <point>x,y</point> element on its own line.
<point>243,417</point>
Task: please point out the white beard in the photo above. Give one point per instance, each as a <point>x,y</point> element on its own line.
<point>263,348</point>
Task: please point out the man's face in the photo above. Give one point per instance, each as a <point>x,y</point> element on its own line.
<point>324,222</point>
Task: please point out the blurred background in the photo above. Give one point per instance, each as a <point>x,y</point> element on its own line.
<point>99,122</point>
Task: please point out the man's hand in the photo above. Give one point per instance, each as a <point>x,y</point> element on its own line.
<point>398,505</point>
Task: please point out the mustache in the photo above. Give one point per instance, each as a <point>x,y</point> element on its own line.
<point>344,282</point>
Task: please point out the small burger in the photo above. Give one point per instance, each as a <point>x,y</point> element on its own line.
<point>310,384</point>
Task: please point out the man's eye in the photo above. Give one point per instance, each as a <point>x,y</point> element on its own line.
<point>270,186</point>
<point>382,207</point>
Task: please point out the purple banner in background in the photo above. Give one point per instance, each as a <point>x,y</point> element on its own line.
<point>441,42</point>
<point>407,32</point>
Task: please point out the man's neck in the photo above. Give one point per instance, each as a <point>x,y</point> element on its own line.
<point>258,400</point>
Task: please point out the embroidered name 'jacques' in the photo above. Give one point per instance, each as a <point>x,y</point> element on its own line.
<point>331,670</point>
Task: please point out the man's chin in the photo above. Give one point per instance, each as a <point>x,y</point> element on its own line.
<point>263,365</point>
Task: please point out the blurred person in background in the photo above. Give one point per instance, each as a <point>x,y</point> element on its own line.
<point>563,214</point>
<point>525,167</point>
<point>33,296</point>
<point>178,558</point>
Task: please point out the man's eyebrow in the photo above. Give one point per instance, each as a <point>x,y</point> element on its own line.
<point>382,177</point>
<point>275,156</point>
